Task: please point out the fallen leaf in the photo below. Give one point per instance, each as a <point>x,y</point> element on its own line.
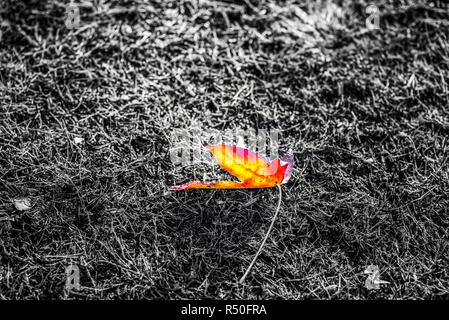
<point>251,169</point>
<point>22,204</point>
<point>78,140</point>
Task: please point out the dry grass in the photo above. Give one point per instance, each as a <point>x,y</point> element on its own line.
<point>366,113</point>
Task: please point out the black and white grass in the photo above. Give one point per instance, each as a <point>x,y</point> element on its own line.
<point>89,96</point>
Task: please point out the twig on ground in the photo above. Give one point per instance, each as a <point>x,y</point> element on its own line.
<point>242,279</point>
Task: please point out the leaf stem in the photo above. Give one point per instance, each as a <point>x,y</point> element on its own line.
<point>242,279</point>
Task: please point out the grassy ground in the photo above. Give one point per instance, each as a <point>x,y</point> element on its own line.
<point>85,119</point>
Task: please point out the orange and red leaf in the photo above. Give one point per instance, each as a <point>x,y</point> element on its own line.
<point>251,169</point>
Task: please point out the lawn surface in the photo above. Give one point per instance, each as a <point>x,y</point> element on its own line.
<point>85,120</point>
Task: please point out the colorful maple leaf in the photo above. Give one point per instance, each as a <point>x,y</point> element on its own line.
<point>251,169</point>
